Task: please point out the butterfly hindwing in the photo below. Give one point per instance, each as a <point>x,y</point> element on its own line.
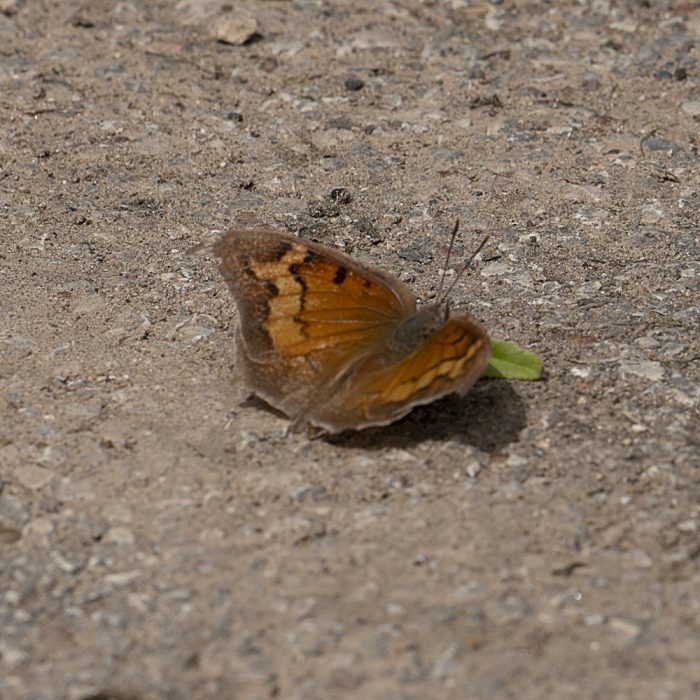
<point>450,361</point>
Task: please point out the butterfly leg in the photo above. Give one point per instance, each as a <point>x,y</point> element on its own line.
<point>299,423</point>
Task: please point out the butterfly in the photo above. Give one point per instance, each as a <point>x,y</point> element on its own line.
<point>335,343</point>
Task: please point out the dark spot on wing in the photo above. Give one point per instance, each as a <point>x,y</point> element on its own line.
<point>279,250</point>
<point>340,274</point>
<point>295,271</point>
<point>366,284</point>
<point>271,289</point>
<point>311,257</point>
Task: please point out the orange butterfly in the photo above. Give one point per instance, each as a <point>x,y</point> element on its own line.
<point>337,344</point>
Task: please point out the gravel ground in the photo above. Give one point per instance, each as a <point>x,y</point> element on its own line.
<point>161,537</point>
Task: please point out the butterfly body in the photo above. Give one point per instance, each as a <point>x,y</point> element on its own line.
<point>416,329</point>
<point>335,343</point>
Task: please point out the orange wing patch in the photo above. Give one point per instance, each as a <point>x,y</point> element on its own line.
<point>442,357</point>
<point>318,305</point>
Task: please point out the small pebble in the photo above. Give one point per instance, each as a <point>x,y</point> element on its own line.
<point>121,579</point>
<point>8,535</point>
<point>354,84</point>
<point>647,370</point>
<point>119,535</point>
<point>341,195</point>
<point>651,214</point>
<point>594,619</point>
<point>13,512</point>
<point>42,527</point>
<point>473,470</point>
<point>629,629</point>
<point>692,109</point>
<point>236,31</point>
<point>33,477</point>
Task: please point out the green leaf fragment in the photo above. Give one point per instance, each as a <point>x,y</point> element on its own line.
<point>509,361</point>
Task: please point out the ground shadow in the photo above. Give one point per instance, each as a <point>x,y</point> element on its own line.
<point>489,417</point>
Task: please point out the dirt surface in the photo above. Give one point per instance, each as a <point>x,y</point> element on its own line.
<point>160,538</point>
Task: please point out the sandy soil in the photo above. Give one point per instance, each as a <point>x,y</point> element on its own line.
<point>162,538</point>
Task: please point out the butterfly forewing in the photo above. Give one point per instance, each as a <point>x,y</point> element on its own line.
<point>306,312</point>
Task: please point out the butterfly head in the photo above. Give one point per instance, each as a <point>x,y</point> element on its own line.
<point>415,330</point>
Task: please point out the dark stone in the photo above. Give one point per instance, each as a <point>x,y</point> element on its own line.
<point>354,84</point>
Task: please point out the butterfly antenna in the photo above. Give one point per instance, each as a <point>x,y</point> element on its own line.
<point>463,270</point>
<point>447,259</point>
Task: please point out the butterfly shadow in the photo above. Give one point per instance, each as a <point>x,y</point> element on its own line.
<point>489,417</point>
